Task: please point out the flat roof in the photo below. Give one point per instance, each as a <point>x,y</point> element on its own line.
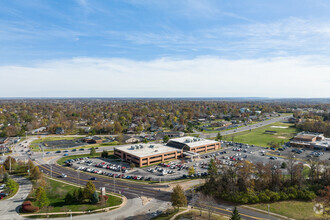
<point>193,141</point>
<point>146,150</point>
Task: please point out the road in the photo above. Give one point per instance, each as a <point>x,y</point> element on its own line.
<point>9,207</point>
<point>245,128</point>
<point>133,190</point>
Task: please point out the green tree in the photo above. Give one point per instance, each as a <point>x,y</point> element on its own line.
<point>69,199</point>
<point>235,215</point>
<point>89,190</point>
<point>12,185</point>
<point>93,151</point>
<point>191,171</point>
<point>41,197</point>
<point>95,198</point>
<point>178,197</point>
<point>104,154</point>
<point>5,177</point>
<point>219,137</point>
<point>212,168</point>
<point>166,139</point>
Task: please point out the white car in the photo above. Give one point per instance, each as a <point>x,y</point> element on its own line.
<point>64,175</point>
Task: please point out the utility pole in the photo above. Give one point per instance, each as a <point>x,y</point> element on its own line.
<point>51,171</point>
<point>114,185</point>
<point>78,176</point>
<point>10,165</point>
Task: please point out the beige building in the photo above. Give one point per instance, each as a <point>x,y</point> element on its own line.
<point>149,154</point>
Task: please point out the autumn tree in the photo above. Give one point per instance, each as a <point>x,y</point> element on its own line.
<point>178,197</point>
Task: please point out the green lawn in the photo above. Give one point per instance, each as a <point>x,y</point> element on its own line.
<point>292,209</point>
<point>260,138</point>
<point>195,214</point>
<point>56,192</point>
<point>45,139</point>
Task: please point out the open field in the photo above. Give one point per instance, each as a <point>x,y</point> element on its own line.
<point>56,192</point>
<point>283,132</point>
<point>292,209</point>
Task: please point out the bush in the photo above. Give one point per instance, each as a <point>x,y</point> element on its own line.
<point>27,203</point>
<point>253,199</point>
<point>283,196</point>
<point>263,197</point>
<point>28,207</point>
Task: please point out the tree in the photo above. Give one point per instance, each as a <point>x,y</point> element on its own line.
<point>10,163</point>
<point>41,198</point>
<point>95,198</point>
<point>219,137</point>
<point>120,138</point>
<point>212,168</point>
<point>191,171</point>
<point>69,199</point>
<point>89,190</point>
<point>5,177</point>
<point>30,165</point>
<point>166,139</point>
<point>117,127</point>
<point>178,197</point>
<point>93,151</point>
<point>104,154</point>
<point>235,215</point>
<point>132,165</point>
<point>36,174</point>
<point>283,165</point>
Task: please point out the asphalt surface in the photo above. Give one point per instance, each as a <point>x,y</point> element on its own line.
<point>9,207</point>
<point>128,189</point>
<point>132,190</point>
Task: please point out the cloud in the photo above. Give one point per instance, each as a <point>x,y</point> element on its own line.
<point>199,77</point>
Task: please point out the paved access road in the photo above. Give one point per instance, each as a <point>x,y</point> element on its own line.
<point>9,207</point>
<point>133,190</point>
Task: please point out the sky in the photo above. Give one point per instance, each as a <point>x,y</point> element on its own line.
<point>170,48</point>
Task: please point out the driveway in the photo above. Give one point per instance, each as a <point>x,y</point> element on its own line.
<point>9,207</point>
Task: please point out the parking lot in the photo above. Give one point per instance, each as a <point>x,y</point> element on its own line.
<point>229,155</point>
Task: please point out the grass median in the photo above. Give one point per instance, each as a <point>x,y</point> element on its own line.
<point>56,192</point>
